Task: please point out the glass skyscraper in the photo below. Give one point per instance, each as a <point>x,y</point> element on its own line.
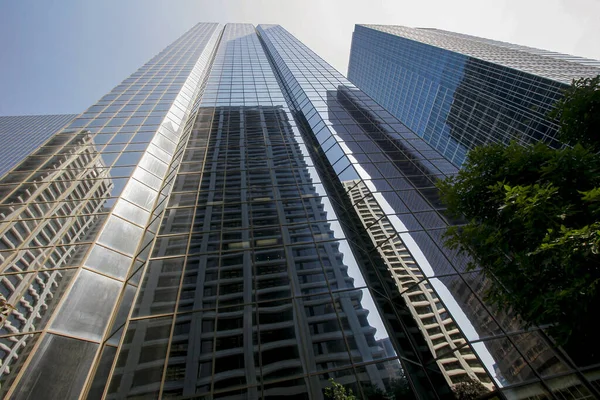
<point>22,134</point>
<point>237,220</point>
<point>458,91</point>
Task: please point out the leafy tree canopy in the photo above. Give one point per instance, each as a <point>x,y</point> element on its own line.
<point>578,113</point>
<point>534,220</point>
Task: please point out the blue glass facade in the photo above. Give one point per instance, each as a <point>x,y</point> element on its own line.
<point>20,135</point>
<point>458,91</point>
<point>278,229</point>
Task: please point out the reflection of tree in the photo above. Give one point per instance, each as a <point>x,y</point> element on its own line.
<point>398,389</point>
<point>469,390</point>
<point>337,391</point>
<point>374,393</point>
<point>5,308</point>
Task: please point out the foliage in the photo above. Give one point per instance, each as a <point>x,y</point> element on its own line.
<point>578,113</point>
<point>469,390</point>
<point>534,219</point>
<point>5,309</point>
<point>398,389</point>
<point>337,391</point>
<point>372,392</point>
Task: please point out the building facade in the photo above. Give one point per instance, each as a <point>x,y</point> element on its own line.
<point>32,131</point>
<point>426,308</point>
<point>260,227</point>
<point>43,232</point>
<point>458,91</point>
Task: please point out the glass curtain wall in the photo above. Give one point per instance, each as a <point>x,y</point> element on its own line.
<point>238,220</point>
<point>381,176</point>
<point>23,134</point>
<point>458,91</point>
<point>252,290</point>
<point>75,214</point>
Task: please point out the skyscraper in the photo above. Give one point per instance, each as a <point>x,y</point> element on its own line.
<point>265,227</point>
<point>20,135</point>
<point>45,225</point>
<point>458,91</point>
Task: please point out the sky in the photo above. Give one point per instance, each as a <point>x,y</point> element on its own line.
<point>62,56</point>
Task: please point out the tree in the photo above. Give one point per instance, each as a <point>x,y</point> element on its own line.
<point>399,389</point>
<point>337,391</point>
<point>533,220</point>
<point>469,390</point>
<point>578,113</point>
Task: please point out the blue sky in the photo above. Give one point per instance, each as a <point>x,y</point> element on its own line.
<point>60,57</point>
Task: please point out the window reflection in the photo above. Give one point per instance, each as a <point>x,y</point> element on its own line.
<point>260,268</point>
<point>43,224</point>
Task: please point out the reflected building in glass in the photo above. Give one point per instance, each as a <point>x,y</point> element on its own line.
<point>433,319</point>
<point>262,227</point>
<point>458,91</point>
<point>43,230</point>
<point>22,134</point>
